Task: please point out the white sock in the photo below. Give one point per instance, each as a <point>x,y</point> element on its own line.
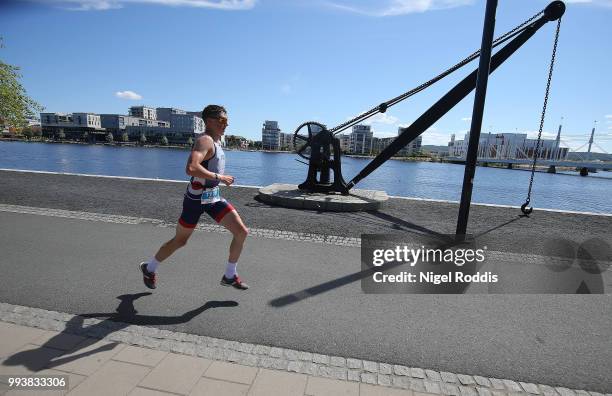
<point>152,265</point>
<point>230,270</point>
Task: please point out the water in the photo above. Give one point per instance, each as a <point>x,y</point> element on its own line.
<point>409,179</point>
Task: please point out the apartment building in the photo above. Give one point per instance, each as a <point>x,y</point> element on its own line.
<point>361,140</point>
<point>270,135</point>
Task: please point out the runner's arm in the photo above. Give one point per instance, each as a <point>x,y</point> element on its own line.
<point>198,154</point>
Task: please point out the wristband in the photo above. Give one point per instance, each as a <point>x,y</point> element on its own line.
<point>216,176</point>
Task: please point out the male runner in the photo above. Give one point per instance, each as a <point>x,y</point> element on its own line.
<point>206,165</point>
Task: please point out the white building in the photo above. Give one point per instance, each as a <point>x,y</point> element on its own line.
<point>270,135</point>
<point>361,140</point>
<point>508,146</point>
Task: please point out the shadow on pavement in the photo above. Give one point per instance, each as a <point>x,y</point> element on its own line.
<point>518,217</point>
<point>565,267</point>
<point>442,241</point>
<point>125,314</point>
<point>399,224</point>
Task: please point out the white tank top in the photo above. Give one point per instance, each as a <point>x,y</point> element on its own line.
<point>215,164</point>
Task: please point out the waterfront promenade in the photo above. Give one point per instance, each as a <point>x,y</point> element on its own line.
<point>71,245</point>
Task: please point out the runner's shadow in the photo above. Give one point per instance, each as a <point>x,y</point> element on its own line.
<point>125,314</point>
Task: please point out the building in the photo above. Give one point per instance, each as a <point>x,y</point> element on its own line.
<point>286,141</point>
<point>72,125</point>
<point>376,143</point>
<point>382,143</point>
<point>181,121</point>
<point>509,146</point>
<point>148,113</point>
<point>236,142</point>
<point>153,130</point>
<point>361,140</point>
<point>412,148</point>
<point>345,142</point>
<point>165,113</point>
<point>56,120</point>
<point>270,135</point>
<point>33,121</point>
<point>117,122</point>
<point>86,120</point>
<point>176,125</point>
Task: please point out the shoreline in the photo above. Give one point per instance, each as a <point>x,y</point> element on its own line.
<point>539,169</point>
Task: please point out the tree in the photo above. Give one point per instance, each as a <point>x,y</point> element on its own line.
<point>37,132</point>
<point>85,136</point>
<point>190,141</point>
<point>61,135</point>
<point>27,132</point>
<point>109,137</point>
<point>143,139</point>
<point>164,141</point>
<point>125,137</point>
<point>15,105</point>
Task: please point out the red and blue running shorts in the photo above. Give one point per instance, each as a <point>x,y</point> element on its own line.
<point>193,209</point>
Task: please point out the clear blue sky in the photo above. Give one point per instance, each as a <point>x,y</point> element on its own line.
<point>324,60</point>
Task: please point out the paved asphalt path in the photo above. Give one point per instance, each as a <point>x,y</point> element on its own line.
<point>163,200</point>
<point>304,295</point>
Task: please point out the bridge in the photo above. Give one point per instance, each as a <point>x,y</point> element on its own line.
<point>583,166</point>
<point>552,156</point>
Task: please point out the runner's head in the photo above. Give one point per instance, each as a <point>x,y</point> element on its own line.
<point>215,119</point>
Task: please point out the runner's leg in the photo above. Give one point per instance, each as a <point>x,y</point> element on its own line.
<point>234,224</point>
<point>192,210</point>
<point>180,239</point>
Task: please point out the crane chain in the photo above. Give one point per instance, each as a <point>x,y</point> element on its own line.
<point>524,207</point>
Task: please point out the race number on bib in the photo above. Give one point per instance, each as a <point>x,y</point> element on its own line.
<point>210,195</point>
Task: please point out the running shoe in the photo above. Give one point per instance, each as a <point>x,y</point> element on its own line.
<point>147,277</point>
<point>234,282</point>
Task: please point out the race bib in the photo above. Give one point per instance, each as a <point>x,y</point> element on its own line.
<point>210,195</point>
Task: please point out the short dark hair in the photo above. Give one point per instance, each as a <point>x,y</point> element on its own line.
<point>212,111</point>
